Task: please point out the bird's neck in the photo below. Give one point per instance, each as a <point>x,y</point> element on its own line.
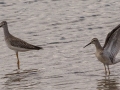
<point>98,46</point>
<point>6,32</point>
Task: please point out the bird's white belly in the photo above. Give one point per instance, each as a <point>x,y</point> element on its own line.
<point>103,58</point>
<point>17,48</point>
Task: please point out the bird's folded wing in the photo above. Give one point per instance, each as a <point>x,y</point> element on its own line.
<point>16,42</point>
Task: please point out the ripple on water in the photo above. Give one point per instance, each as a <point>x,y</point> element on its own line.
<point>62,28</point>
<point>108,83</point>
<point>2,3</point>
<point>23,79</point>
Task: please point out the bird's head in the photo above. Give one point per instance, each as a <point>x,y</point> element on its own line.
<point>3,23</point>
<point>93,41</point>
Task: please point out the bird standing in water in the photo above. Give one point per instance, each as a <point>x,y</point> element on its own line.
<point>107,53</point>
<point>15,43</point>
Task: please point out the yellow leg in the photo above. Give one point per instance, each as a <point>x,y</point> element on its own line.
<point>105,69</point>
<point>18,62</point>
<point>108,69</point>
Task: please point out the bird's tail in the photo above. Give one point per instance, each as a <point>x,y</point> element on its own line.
<point>37,48</point>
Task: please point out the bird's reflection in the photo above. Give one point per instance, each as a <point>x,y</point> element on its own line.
<point>21,78</point>
<point>108,83</point>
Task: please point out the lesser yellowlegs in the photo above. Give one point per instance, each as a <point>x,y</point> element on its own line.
<point>15,43</point>
<point>107,53</point>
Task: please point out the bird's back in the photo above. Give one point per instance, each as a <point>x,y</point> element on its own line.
<point>14,42</point>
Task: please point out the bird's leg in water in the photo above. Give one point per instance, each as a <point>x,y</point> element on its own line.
<point>108,69</point>
<point>105,69</point>
<point>18,62</point>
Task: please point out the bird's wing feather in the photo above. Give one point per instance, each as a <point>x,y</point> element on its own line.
<point>16,42</point>
<point>112,43</point>
<point>110,34</point>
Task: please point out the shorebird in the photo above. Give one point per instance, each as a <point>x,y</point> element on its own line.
<point>15,43</point>
<point>107,53</point>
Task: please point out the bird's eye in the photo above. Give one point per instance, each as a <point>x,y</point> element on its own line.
<point>94,40</point>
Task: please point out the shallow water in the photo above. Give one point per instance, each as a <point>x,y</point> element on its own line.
<point>62,28</point>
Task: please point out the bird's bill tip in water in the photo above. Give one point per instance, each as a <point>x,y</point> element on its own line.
<point>87,45</point>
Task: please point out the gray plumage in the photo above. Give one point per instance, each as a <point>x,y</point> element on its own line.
<point>15,43</point>
<point>107,53</point>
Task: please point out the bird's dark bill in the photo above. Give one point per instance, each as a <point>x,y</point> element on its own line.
<point>87,45</point>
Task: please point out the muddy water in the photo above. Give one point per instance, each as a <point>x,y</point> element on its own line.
<point>62,28</point>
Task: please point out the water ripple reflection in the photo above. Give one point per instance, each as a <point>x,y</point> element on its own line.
<point>21,79</point>
<point>108,83</point>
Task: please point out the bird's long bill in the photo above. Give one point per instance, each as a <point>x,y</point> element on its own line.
<point>87,45</point>
<point>0,24</point>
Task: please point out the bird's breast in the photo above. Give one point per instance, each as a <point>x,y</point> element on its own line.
<point>102,57</point>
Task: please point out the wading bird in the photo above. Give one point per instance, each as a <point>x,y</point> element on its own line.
<point>107,53</point>
<point>15,43</point>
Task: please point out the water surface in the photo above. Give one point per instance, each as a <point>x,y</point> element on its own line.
<point>62,28</point>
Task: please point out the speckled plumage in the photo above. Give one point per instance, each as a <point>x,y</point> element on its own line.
<point>18,43</point>
<point>15,43</point>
